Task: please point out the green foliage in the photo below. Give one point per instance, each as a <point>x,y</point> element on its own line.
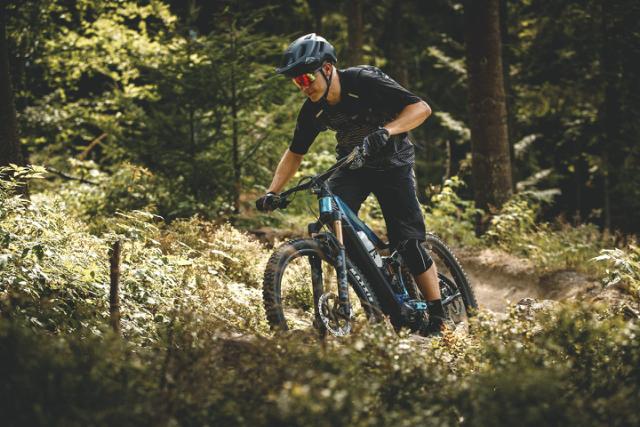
<point>516,230</point>
<point>74,379</point>
<point>516,218</point>
<point>450,216</point>
<point>577,365</point>
<point>54,272</point>
<point>202,112</point>
<point>566,365</point>
<point>622,267</point>
<point>196,348</point>
<point>122,187</point>
<point>39,245</point>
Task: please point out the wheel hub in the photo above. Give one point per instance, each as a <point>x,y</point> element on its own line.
<point>332,315</point>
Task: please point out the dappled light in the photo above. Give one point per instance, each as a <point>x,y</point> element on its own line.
<point>225,213</point>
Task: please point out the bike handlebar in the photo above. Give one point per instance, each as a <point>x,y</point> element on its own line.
<point>355,157</point>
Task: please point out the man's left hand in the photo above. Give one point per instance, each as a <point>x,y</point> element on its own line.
<point>374,142</point>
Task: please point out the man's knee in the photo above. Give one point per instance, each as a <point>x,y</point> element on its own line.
<point>415,256</point>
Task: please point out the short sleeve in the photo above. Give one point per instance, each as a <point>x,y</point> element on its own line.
<point>307,129</point>
<point>384,92</point>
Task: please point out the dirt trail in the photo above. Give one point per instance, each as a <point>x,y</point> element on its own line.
<point>500,279</point>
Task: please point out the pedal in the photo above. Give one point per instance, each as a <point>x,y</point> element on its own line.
<point>418,305</point>
<point>414,313</point>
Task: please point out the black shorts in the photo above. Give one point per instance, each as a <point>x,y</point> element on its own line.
<point>395,190</point>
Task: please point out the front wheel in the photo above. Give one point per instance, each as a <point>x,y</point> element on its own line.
<point>298,276</point>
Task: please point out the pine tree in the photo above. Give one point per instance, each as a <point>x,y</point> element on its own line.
<point>9,143</point>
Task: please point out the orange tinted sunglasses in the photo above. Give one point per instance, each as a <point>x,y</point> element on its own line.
<point>305,80</point>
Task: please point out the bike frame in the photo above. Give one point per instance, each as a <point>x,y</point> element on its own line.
<point>345,224</point>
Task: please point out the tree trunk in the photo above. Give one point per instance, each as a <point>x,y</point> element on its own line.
<point>491,163</point>
<point>237,167</point>
<point>355,29</point>
<point>317,12</point>
<point>611,108</point>
<point>578,176</point>
<point>10,151</point>
<point>393,43</point>
<point>506,39</point>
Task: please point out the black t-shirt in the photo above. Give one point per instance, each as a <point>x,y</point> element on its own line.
<point>369,99</point>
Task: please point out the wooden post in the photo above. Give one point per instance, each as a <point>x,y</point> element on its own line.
<point>114,298</point>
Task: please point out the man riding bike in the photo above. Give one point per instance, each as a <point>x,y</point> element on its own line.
<point>365,107</point>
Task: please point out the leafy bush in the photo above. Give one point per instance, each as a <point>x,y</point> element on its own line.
<point>50,269</point>
<point>575,365</point>
<point>452,217</point>
<point>74,380</point>
<point>124,187</point>
<point>516,230</point>
<point>516,218</point>
<point>54,273</point>
<point>623,268</point>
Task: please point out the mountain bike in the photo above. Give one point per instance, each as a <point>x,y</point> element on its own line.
<point>344,275</point>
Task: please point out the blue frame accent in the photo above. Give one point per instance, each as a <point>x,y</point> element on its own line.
<point>357,222</point>
<point>325,205</point>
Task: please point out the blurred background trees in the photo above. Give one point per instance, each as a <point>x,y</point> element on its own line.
<point>185,90</point>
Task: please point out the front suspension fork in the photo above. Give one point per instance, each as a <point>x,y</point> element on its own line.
<point>318,290</point>
<point>341,270</point>
<point>332,216</point>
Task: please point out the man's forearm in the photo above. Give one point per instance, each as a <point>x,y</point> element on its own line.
<point>409,118</point>
<point>286,169</point>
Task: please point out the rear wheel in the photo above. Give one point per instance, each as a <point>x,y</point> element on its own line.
<point>298,276</point>
<point>457,293</point>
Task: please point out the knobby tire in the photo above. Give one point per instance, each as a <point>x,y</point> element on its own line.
<point>274,272</point>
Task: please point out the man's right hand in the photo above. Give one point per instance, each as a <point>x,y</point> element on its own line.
<point>268,202</point>
<point>375,142</point>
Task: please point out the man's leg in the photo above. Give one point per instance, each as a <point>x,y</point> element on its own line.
<point>425,273</point>
<point>352,186</point>
<point>428,283</point>
<point>405,225</point>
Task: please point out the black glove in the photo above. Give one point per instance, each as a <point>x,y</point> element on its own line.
<point>268,202</point>
<point>374,142</point>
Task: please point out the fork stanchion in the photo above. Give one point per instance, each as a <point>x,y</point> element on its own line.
<point>337,229</point>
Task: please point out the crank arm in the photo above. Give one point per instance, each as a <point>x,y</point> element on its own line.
<point>449,299</point>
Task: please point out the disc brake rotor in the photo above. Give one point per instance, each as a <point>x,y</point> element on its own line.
<point>332,316</point>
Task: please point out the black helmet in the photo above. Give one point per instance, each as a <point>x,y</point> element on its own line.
<point>305,55</point>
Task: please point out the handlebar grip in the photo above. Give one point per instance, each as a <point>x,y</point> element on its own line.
<point>283,203</point>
